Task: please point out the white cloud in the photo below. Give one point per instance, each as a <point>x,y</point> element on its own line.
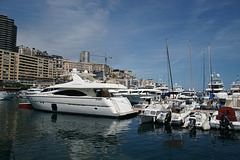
<point>67,26</point>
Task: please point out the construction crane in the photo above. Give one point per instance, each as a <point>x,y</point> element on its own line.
<point>105,57</point>
<point>105,67</point>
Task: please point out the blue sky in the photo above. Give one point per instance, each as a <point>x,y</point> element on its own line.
<point>133,32</point>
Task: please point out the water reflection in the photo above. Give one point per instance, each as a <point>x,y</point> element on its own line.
<point>175,136</point>
<point>31,134</point>
<point>9,127</point>
<point>85,137</point>
<point>225,135</point>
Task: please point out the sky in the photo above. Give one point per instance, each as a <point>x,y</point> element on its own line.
<point>134,33</point>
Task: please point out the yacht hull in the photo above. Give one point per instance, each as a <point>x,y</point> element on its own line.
<point>99,106</point>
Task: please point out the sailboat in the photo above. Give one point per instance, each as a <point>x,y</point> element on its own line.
<point>177,109</point>
<point>209,102</point>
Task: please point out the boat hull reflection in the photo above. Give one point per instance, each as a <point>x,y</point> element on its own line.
<point>82,135</point>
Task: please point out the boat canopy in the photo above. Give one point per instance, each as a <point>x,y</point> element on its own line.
<point>227,111</point>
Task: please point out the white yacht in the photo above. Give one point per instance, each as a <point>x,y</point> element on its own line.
<point>135,95</point>
<point>189,96</point>
<point>33,90</point>
<point>163,88</point>
<point>235,87</point>
<point>178,88</point>
<point>215,85</point>
<point>233,100</point>
<point>82,97</point>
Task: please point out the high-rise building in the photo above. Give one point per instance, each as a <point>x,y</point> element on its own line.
<point>85,56</point>
<point>8,34</point>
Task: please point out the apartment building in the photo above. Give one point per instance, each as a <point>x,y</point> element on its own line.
<point>8,66</point>
<point>26,68</point>
<point>121,74</point>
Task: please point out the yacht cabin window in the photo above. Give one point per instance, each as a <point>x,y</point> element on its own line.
<point>102,93</point>
<point>70,93</point>
<point>49,89</point>
<point>134,91</point>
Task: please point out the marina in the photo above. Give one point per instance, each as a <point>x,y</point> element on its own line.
<point>119,80</point>
<point>33,134</point>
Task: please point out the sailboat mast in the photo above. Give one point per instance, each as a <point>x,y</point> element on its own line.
<point>169,85</point>
<point>192,82</point>
<point>204,71</point>
<point>210,67</point>
<point>210,72</point>
<point>169,67</point>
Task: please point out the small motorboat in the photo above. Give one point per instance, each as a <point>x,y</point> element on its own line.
<point>151,112</point>
<point>198,120</point>
<point>176,113</point>
<point>225,118</point>
<point>164,117</point>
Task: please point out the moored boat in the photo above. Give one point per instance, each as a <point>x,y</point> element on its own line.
<point>235,87</point>
<point>151,112</point>
<point>7,95</point>
<point>178,110</point>
<point>145,102</point>
<point>215,84</point>
<point>135,95</point>
<point>82,97</point>
<point>225,118</point>
<point>198,120</point>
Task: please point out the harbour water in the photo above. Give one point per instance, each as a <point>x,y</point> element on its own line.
<point>30,134</point>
